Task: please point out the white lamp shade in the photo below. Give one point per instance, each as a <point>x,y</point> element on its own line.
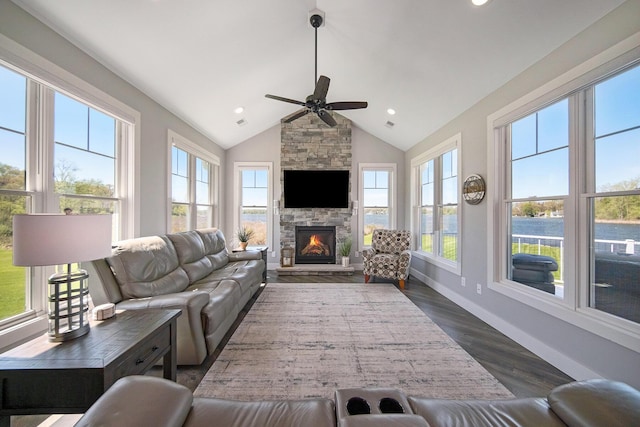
<point>52,239</point>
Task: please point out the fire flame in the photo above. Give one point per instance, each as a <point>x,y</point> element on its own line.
<point>315,240</point>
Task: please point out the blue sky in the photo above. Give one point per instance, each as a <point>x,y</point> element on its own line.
<point>540,159</point>
<point>538,140</point>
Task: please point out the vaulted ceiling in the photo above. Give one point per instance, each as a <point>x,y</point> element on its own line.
<point>430,60</point>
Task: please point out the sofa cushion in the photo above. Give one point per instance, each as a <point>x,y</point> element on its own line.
<point>485,413</point>
<point>191,254</point>
<point>289,413</point>
<point>146,267</point>
<point>223,299</point>
<point>596,403</point>
<point>215,246</point>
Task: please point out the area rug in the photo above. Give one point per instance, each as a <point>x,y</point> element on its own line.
<point>309,340</point>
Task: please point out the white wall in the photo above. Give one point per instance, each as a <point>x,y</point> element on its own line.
<point>574,350</point>
<point>25,30</point>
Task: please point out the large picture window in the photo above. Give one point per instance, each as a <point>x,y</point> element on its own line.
<point>435,217</point>
<point>60,153</point>
<point>567,221</point>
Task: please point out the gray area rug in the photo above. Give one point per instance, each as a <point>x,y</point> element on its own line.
<point>309,340</point>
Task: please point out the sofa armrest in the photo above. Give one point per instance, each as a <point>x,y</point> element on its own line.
<point>596,402</point>
<point>140,401</point>
<point>191,345</point>
<point>404,264</point>
<point>244,255</point>
<point>368,253</point>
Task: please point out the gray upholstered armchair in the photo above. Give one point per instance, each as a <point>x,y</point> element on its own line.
<point>389,256</point>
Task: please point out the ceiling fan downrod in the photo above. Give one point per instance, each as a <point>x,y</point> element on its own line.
<point>316,21</point>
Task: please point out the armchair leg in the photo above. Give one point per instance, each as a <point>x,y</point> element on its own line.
<point>366,278</point>
<point>401,283</point>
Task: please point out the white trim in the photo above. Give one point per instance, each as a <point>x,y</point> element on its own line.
<point>571,367</point>
<point>51,77</point>
<point>571,310</point>
<point>193,150</point>
<point>452,143</point>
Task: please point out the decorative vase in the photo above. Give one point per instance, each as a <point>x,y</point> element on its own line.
<point>345,261</point>
<point>243,245</point>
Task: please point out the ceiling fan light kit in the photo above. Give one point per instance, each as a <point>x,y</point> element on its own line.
<point>317,101</point>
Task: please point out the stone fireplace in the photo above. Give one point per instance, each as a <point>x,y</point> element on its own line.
<point>309,144</point>
<point>315,245</point>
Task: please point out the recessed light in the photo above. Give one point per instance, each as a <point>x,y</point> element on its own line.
<point>391,111</point>
<point>238,110</point>
<point>479,2</point>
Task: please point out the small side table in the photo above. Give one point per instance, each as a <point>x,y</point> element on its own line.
<point>42,377</point>
<point>263,250</point>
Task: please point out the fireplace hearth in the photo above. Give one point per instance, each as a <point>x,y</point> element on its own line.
<point>315,245</point>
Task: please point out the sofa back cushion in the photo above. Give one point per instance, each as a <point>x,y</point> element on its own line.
<point>191,254</point>
<point>215,246</point>
<point>147,266</point>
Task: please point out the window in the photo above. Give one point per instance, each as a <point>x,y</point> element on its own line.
<point>193,186</point>
<point>436,193</point>
<point>376,199</point>
<point>252,198</point>
<point>59,151</point>
<point>567,195</point>
<point>539,168</point>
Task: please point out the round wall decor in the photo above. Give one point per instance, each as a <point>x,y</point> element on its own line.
<point>473,189</point>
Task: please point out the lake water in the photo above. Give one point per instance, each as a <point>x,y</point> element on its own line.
<point>555,227</point>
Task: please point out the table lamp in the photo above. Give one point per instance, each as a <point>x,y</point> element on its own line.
<point>55,239</point>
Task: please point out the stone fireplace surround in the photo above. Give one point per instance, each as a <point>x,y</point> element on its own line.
<point>308,143</point>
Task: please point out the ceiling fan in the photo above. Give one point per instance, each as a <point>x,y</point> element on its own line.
<point>317,101</point>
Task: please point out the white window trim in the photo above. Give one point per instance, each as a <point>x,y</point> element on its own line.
<point>600,66</point>
<point>392,168</point>
<point>238,167</point>
<point>37,68</point>
<point>454,142</point>
<point>193,149</point>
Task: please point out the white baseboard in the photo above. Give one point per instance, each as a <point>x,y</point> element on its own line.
<point>561,361</point>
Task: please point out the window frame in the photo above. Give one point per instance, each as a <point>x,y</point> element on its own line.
<point>436,153</point>
<point>193,150</point>
<point>574,84</point>
<point>43,78</point>
<point>238,168</point>
<point>391,168</point>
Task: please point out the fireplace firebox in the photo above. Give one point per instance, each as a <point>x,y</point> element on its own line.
<point>315,245</point>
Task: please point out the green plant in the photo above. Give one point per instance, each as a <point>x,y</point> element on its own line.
<point>344,247</point>
<point>244,234</point>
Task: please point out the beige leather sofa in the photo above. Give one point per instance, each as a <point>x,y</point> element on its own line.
<point>192,271</point>
<point>143,400</point>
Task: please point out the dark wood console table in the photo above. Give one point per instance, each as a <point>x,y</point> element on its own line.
<point>42,377</point>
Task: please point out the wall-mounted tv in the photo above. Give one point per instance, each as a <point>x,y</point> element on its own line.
<point>316,188</point>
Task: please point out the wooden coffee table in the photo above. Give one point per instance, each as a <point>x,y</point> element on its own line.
<point>42,377</point>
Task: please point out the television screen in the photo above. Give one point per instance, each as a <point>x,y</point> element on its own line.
<point>316,188</point>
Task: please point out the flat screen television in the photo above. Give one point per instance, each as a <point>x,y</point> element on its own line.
<point>316,188</point>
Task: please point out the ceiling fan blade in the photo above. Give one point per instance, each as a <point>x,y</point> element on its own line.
<point>346,105</point>
<point>327,118</point>
<point>290,101</point>
<point>322,87</point>
<point>296,115</point>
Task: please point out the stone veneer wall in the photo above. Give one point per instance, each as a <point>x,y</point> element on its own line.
<point>308,143</point>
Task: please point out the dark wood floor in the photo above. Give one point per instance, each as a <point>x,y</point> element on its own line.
<point>518,369</point>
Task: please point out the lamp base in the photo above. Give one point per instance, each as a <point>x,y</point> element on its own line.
<point>68,305</point>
